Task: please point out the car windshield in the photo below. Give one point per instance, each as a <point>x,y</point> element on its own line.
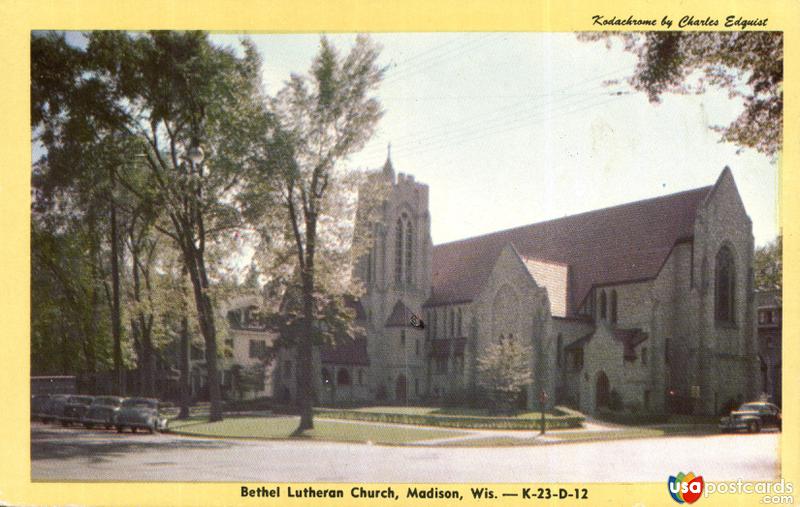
<point>107,400</point>
<point>140,402</point>
<point>81,400</point>
<point>751,407</point>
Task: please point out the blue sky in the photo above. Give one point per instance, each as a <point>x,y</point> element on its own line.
<point>515,128</point>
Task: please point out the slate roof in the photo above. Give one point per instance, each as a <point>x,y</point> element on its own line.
<point>630,338</point>
<point>349,351</point>
<point>623,243</point>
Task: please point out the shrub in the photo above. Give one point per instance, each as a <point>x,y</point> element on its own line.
<point>572,419</point>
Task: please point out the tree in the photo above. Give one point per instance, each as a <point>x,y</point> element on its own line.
<point>81,149</point>
<point>749,65</point>
<point>322,118</point>
<point>504,372</point>
<point>179,96</point>
<point>768,265</point>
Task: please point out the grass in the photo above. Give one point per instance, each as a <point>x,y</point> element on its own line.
<point>324,430</point>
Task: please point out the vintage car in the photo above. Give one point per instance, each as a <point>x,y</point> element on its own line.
<point>75,408</point>
<point>102,412</point>
<point>752,416</point>
<point>38,404</point>
<point>141,413</point>
<point>53,410</point>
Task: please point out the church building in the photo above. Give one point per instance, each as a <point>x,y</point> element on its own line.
<point>646,306</point>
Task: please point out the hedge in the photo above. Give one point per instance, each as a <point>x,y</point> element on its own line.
<point>571,420</point>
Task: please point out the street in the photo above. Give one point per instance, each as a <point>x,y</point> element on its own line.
<point>80,455</point>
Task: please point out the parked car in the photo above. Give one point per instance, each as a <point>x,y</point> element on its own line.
<point>102,411</point>
<point>38,404</point>
<point>143,413</point>
<point>53,410</point>
<point>75,408</point>
<point>752,416</point>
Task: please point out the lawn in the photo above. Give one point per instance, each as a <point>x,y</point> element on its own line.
<point>325,430</point>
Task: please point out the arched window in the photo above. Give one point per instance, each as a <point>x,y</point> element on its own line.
<point>343,377</point>
<point>460,328</point>
<point>409,252</point>
<point>614,306</point>
<point>603,305</point>
<point>398,252</point>
<point>725,286</point>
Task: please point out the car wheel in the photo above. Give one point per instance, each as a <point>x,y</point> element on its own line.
<point>120,428</point>
<point>109,426</point>
<point>65,423</point>
<point>88,426</point>
<point>753,427</point>
<point>133,429</point>
<point>151,430</point>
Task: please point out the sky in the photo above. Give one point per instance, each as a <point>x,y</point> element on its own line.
<point>509,129</point>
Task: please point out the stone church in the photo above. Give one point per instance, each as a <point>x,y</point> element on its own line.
<point>647,305</point>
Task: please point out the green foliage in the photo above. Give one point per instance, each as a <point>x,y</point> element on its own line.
<point>504,372</point>
<point>572,420</point>
<point>749,65</point>
<point>768,265</point>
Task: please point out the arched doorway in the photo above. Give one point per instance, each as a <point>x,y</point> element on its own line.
<point>602,391</point>
<point>401,388</point>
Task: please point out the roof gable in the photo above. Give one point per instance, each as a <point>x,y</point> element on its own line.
<point>612,245</point>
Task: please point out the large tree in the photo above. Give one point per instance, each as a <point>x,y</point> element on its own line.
<point>749,65</point>
<point>181,97</point>
<point>322,118</point>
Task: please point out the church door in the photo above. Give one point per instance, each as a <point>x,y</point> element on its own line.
<point>401,388</point>
<point>602,392</point>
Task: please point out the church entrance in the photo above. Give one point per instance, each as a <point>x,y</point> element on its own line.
<point>602,391</point>
<point>401,388</point>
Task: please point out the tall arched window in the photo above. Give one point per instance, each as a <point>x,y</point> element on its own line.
<point>603,312</point>
<point>398,252</point>
<point>725,286</point>
<point>460,328</point>
<point>409,252</point>
<point>614,306</point>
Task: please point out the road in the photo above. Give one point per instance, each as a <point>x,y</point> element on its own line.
<point>81,455</point>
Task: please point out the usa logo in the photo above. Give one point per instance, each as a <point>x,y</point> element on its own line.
<point>685,488</point>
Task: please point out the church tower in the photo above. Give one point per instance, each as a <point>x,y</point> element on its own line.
<point>396,274</point>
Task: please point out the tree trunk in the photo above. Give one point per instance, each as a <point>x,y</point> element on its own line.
<point>205,316</point>
<point>305,346</point>
<point>116,324</point>
<point>185,372</point>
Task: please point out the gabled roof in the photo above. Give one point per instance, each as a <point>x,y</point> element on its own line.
<point>630,338</point>
<point>400,316</point>
<point>619,244</point>
<point>350,351</point>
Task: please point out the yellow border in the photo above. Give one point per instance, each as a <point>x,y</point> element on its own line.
<point>18,18</point>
